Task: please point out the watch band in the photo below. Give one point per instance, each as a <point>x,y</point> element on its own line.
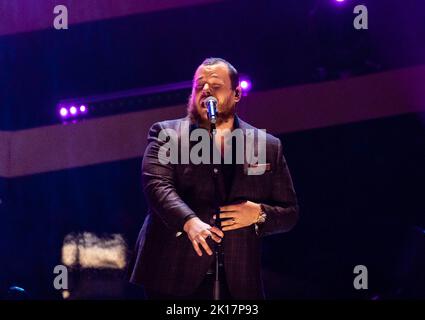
<point>262,216</point>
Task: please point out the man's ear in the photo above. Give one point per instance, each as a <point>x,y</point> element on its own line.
<point>238,93</point>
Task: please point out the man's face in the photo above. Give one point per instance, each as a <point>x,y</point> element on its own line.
<point>214,81</point>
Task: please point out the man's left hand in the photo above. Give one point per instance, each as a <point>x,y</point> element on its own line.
<point>236,216</point>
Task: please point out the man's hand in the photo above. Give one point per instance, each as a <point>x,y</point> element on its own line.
<point>198,231</point>
<point>236,216</point>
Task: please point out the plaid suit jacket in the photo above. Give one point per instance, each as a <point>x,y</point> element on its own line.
<point>168,263</point>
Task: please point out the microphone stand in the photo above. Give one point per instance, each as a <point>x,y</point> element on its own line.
<point>217,246</point>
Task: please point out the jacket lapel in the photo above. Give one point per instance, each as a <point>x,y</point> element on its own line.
<point>240,169</point>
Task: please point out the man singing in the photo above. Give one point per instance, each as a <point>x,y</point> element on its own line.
<point>177,244</point>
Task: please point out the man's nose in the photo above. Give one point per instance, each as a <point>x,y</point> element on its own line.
<point>206,88</point>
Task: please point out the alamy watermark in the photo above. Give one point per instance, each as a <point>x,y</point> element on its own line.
<point>61,20</point>
<point>60,282</point>
<point>360,281</point>
<point>250,147</point>
<point>361,20</point>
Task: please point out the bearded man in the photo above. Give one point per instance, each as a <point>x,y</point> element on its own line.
<point>176,245</point>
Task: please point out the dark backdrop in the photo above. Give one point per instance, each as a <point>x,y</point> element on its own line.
<point>360,185</point>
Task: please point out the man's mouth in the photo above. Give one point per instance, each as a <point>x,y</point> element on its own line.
<point>202,101</point>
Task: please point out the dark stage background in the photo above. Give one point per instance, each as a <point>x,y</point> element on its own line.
<point>360,184</point>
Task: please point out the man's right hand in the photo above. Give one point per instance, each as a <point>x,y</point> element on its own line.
<point>198,231</point>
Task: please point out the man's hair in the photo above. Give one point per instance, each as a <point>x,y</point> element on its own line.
<point>233,73</point>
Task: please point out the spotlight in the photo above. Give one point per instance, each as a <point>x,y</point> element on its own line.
<point>72,111</point>
<point>63,112</point>
<point>245,86</point>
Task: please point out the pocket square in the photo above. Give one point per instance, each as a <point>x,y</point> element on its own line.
<point>257,168</point>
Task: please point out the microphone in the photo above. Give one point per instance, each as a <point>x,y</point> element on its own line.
<point>211,105</point>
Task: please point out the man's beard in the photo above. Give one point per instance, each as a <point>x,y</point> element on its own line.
<point>192,112</point>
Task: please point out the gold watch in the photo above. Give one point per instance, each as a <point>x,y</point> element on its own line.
<point>262,216</point>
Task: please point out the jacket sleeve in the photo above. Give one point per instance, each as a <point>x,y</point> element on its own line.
<point>158,181</point>
<point>282,209</point>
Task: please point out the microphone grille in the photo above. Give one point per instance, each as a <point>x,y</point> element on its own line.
<point>211,99</point>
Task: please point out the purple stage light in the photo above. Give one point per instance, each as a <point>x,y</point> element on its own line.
<point>245,85</point>
<point>72,110</point>
<point>63,112</point>
<point>339,0</point>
